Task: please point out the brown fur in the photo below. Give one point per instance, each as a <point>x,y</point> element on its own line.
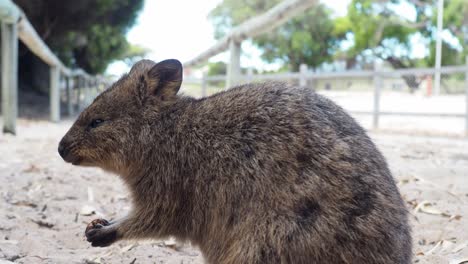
<point>262,173</point>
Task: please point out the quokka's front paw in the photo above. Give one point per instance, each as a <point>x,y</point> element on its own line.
<point>101,233</point>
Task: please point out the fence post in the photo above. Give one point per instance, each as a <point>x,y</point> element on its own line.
<point>68,88</point>
<point>85,91</point>
<point>204,84</point>
<point>54,96</point>
<point>377,89</point>
<point>466,97</point>
<point>89,91</point>
<point>92,91</point>
<point>250,74</point>
<point>78,92</point>
<point>9,77</point>
<point>234,69</point>
<point>96,87</point>
<point>303,75</point>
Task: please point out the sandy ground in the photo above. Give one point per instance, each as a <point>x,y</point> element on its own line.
<point>45,203</point>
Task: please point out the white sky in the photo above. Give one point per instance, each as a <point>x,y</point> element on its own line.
<point>180,29</point>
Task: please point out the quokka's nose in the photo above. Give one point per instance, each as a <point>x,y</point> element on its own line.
<point>62,150</point>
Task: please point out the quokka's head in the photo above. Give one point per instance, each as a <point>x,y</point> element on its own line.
<point>106,132</point>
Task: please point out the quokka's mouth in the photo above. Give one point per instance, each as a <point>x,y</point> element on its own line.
<point>76,162</point>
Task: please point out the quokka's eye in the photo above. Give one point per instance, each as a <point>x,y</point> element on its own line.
<point>95,123</point>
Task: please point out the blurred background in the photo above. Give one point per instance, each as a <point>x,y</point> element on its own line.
<point>390,63</point>
<point>400,67</point>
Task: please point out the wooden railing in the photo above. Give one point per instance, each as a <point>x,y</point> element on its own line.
<point>305,77</point>
<point>255,26</point>
<point>14,26</point>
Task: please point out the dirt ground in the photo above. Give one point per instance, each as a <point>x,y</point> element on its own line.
<point>46,203</point>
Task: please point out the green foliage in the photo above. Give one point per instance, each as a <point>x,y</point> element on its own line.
<point>133,54</point>
<point>376,30</point>
<point>370,29</point>
<point>379,30</point>
<point>87,33</point>
<point>309,38</point>
<point>104,44</point>
<point>450,56</point>
<point>217,68</point>
<point>456,22</point>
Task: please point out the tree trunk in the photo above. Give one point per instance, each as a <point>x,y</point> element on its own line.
<point>411,80</point>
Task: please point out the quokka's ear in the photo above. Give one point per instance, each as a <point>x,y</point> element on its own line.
<point>164,79</point>
<point>142,66</point>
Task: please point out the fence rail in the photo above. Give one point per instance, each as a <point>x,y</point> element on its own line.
<point>14,26</point>
<point>255,26</point>
<point>377,75</point>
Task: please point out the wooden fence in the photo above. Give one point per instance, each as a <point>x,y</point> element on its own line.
<point>306,78</point>
<point>14,26</point>
<point>255,26</point>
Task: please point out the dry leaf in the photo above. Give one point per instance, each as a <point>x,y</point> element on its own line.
<point>422,180</point>
<point>434,248</point>
<point>13,242</point>
<point>460,247</point>
<point>459,261</point>
<point>43,223</point>
<point>446,244</point>
<point>32,168</point>
<point>87,210</point>
<point>129,247</point>
<point>455,217</point>
<point>97,260</point>
<point>24,203</point>
<point>170,242</point>
<point>403,181</point>
<point>426,207</point>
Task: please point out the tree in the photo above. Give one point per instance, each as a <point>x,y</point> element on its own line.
<point>456,22</point>
<point>371,29</point>
<point>217,68</point>
<point>88,33</point>
<point>133,54</point>
<point>376,30</point>
<point>308,38</point>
